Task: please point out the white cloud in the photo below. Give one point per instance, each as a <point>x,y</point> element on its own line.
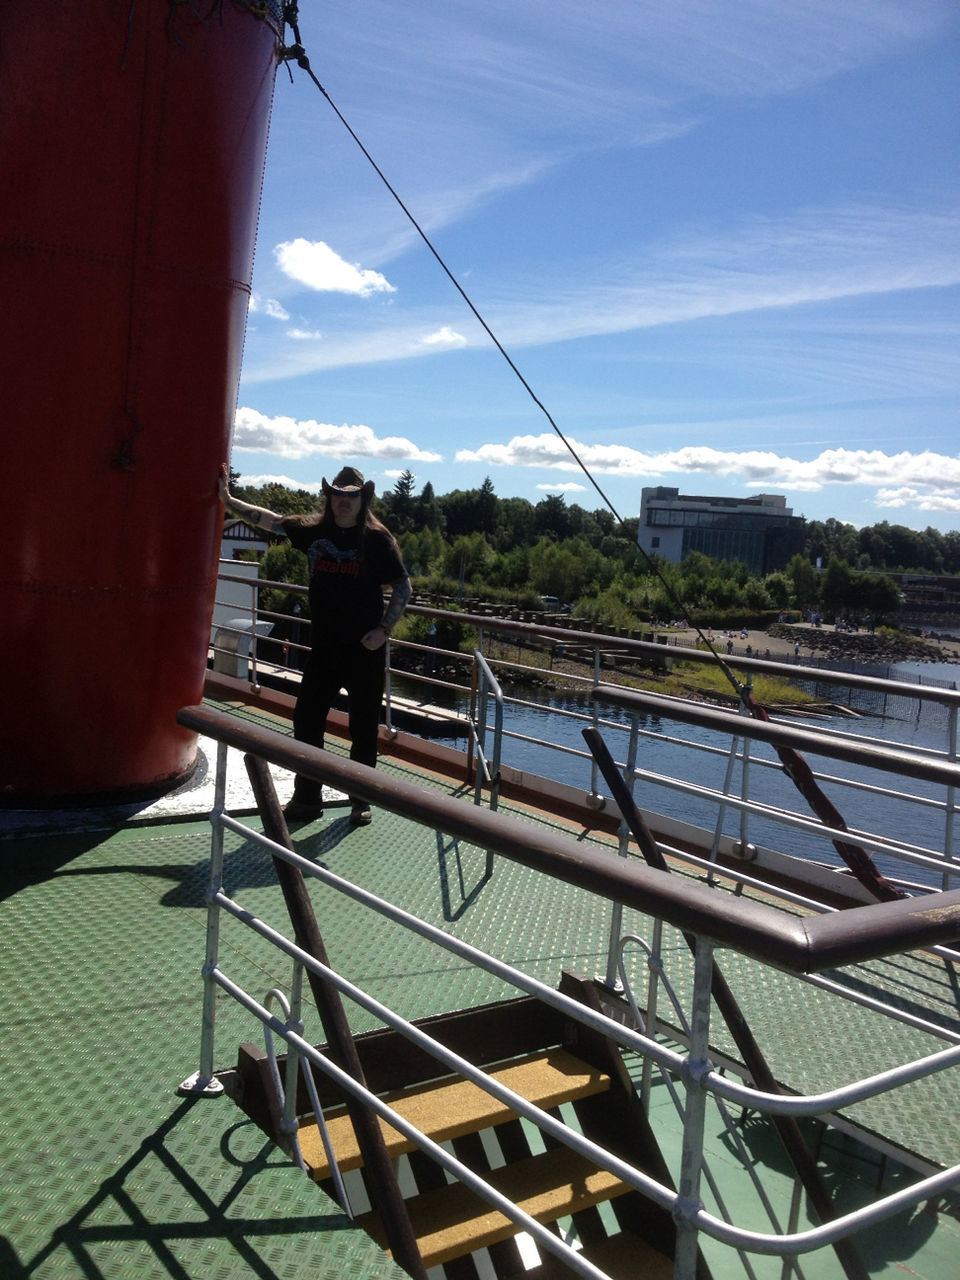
<point>932,478</point>
<point>271,307</point>
<point>305,335</point>
<point>315,264</point>
<point>289,438</point>
<point>568,486</point>
<point>905,496</point>
<point>445,337</point>
<point>311,486</point>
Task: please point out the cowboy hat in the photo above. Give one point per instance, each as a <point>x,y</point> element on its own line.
<point>350,480</point>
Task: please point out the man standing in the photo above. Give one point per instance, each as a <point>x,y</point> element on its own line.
<point>351,556</point>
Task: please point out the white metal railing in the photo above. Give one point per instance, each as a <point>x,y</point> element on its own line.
<point>489,771</point>
<point>693,1068</point>
<point>745,769</point>
<point>717,800</point>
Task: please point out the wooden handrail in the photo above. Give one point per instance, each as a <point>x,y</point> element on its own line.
<point>942,772</point>
<point>797,944</point>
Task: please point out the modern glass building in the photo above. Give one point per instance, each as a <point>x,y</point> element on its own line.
<point>761,531</point>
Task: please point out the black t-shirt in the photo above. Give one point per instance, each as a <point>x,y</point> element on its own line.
<point>347,570</point>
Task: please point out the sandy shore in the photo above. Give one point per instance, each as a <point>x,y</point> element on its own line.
<point>782,647</point>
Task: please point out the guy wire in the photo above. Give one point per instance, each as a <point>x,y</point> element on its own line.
<point>793,763</point>
<point>297,53</point>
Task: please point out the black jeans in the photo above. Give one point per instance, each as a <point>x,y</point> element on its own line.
<point>330,668</point>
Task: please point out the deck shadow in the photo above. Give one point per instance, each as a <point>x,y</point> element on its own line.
<point>450,860</point>
<point>123,1212</point>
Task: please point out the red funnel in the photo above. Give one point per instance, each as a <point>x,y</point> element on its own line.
<point>133,139</point>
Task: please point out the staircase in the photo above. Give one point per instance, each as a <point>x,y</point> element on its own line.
<point>548,1061</point>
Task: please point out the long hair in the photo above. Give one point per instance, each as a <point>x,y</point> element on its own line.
<point>323,519</point>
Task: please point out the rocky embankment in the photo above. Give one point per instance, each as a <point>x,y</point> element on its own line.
<point>862,646</point>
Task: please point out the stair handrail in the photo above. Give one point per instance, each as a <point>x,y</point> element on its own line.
<point>687,1214</point>
<point>757,929</point>
<point>655,963</point>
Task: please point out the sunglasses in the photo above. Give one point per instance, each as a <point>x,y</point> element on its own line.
<point>344,493</point>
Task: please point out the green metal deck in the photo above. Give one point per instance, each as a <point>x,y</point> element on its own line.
<point>107,1174</point>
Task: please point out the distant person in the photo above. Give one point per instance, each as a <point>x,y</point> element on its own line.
<point>351,556</point>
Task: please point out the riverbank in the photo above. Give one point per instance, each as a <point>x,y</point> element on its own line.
<point>793,644</point>
<point>826,642</point>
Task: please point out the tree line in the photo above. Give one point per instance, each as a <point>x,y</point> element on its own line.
<point>471,542</point>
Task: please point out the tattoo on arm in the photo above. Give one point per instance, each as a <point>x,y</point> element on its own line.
<point>266,520</point>
<point>399,597</point>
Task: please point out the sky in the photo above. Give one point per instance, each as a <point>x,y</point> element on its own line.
<point>719,241</point>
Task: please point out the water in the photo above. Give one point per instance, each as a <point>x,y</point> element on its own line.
<point>546,739</point>
<point>928,672</point>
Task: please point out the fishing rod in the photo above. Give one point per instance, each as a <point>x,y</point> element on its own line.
<point>796,768</point>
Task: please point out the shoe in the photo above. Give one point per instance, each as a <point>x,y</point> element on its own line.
<point>303,810</point>
<point>360,814</point>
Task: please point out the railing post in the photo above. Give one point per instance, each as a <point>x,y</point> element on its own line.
<point>691,1162</point>
<point>951,799</point>
<point>295,1022</point>
<point>745,782</point>
<point>595,716</point>
<point>654,974</point>
<point>388,691</point>
<point>623,836</point>
<point>480,727</point>
<point>204,1083</point>
<point>722,807</point>
<point>487,683</point>
<point>497,748</point>
<point>254,608</point>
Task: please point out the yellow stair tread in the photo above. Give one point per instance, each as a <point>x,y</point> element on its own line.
<point>453,1220</point>
<point>452,1107</point>
<point>622,1257</point>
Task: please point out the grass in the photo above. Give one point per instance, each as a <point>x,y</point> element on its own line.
<point>690,679</point>
<point>684,679</point>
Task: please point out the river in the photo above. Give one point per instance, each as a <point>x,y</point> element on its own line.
<point>544,736</point>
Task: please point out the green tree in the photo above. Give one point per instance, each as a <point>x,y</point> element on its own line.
<point>804,583</point>
<point>277,497</point>
<point>428,513</point>
<point>487,504</point>
<point>878,595</point>
<point>461,512</point>
<point>836,587</point>
<point>283,563</point>
<point>831,537</point>
<point>469,558</point>
<point>423,550</point>
<point>515,524</point>
<point>606,523</point>
<point>778,589</point>
<point>511,568</point>
<point>563,569</point>
<point>400,509</point>
<point>551,517</point>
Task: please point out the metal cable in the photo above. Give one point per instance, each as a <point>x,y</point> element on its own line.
<point>794,765</point>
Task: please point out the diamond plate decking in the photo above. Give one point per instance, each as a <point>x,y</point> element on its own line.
<point>107,1174</point>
